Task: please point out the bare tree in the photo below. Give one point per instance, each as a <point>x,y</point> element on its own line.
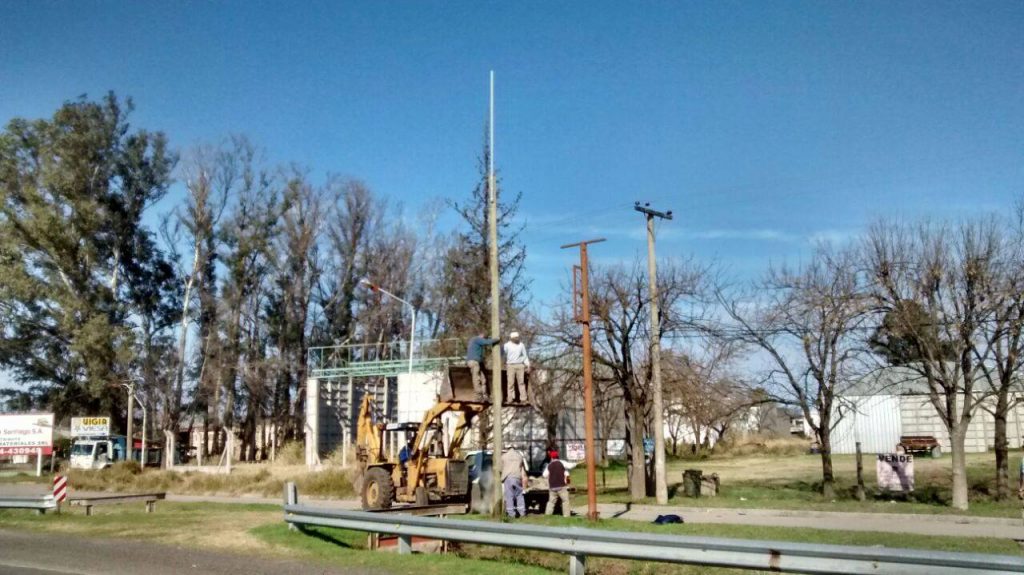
<point>702,396</point>
<point>621,332</point>
<point>295,259</point>
<point>806,322</point>
<point>353,221</point>
<point>209,179</point>
<point>1004,338</point>
<point>931,281</point>
<point>246,250</point>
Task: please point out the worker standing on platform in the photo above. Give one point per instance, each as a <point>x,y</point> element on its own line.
<point>518,364</point>
<point>475,359</point>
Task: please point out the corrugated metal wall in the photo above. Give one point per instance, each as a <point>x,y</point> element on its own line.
<point>919,418</point>
<point>874,420</point>
<point>880,420</point>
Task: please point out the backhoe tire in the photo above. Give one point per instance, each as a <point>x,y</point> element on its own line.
<point>421,496</point>
<point>378,489</point>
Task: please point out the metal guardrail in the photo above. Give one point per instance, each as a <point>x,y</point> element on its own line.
<point>579,543</point>
<point>40,503</point>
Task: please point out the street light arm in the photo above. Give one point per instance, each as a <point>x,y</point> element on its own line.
<point>412,312</point>
<point>377,288</point>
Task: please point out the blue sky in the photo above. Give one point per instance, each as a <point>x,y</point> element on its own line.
<point>762,125</point>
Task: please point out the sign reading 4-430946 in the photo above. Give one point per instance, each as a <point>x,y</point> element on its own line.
<point>26,433</point>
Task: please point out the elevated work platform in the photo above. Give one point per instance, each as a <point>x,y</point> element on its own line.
<point>384,359</point>
<point>340,376</point>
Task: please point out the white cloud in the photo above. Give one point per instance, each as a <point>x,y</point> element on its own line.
<point>755,234</point>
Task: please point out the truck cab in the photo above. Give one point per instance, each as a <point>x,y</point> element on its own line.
<point>97,452</point>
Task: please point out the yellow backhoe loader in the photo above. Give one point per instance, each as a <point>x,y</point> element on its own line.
<point>434,468</point>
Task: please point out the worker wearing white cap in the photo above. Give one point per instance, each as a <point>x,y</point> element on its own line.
<point>517,363</point>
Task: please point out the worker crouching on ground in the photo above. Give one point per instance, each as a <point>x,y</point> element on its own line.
<point>513,480</point>
<point>475,359</point>
<point>518,365</point>
<point>558,485</point>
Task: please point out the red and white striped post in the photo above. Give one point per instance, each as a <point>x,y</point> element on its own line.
<point>60,490</point>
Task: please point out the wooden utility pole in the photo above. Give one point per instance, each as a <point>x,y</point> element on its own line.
<point>660,479</point>
<point>581,311</point>
<point>496,398</point>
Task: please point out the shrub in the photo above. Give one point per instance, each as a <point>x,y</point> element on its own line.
<point>755,445</point>
<point>291,453</point>
<point>331,482</point>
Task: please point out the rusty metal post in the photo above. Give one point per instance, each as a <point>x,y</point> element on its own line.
<point>588,377</point>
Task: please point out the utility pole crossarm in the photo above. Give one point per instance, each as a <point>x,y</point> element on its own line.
<point>646,209</point>
<point>583,243</point>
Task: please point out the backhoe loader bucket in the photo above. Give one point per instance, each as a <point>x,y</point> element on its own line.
<point>458,386</point>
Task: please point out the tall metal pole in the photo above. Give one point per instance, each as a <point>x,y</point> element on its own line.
<point>660,477</point>
<point>142,453</point>
<point>588,378</point>
<point>412,336</point>
<point>131,410</point>
<point>144,436</point>
<point>496,391</point>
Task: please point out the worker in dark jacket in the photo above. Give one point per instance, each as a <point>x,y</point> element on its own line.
<point>558,485</point>
<point>475,359</point>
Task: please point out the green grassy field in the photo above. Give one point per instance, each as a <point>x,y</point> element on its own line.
<point>245,479</point>
<point>794,482</point>
<point>259,529</point>
<point>755,478</point>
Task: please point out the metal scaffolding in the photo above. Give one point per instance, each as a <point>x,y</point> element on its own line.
<point>382,360</point>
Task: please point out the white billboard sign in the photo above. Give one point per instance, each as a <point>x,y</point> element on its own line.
<point>616,448</point>
<point>575,451</point>
<point>90,426</point>
<point>895,472</point>
<point>26,434</point>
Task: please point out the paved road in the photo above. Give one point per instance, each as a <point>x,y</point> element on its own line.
<point>49,554</point>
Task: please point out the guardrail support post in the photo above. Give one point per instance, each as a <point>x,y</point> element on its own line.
<point>577,564</point>
<point>291,497</point>
<point>405,544</point>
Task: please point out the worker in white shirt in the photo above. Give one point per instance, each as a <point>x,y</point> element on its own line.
<point>518,364</point>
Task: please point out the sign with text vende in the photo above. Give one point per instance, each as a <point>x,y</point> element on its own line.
<point>26,434</point>
<point>90,426</point>
<point>895,472</point>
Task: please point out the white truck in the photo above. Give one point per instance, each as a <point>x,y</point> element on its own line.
<point>97,452</point>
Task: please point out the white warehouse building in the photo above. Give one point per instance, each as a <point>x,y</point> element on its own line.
<point>878,411</point>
